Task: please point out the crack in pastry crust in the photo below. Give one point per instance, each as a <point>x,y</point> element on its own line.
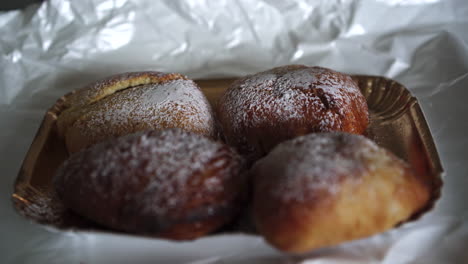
<point>130,102</point>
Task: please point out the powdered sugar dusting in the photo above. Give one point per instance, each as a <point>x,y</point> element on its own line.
<point>298,168</point>
<point>151,170</point>
<point>177,103</point>
<point>100,89</point>
<point>317,97</point>
<point>44,209</point>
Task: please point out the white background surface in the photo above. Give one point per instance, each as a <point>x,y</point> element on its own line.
<point>49,50</point>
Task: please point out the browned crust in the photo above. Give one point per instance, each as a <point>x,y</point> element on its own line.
<point>102,88</point>
<point>75,105</point>
<point>121,201</point>
<point>255,141</point>
<point>369,201</point>
<point>78,127</point>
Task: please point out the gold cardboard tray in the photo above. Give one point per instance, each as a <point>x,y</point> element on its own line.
<point>397,123</point>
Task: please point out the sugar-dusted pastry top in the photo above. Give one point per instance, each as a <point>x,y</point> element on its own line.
<point>132,102</point>
<point>260,110</point>
<point>150,182</point>
<point>322,189</point>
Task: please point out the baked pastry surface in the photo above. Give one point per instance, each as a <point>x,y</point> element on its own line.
<point>322,189</point>
<point>171,183</point>
<point>258,111</point>
<point>131,102</point>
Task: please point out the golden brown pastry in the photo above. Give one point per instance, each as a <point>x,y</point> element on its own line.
<point>130,102</point>
<point>259,111</point>
<point>171,183</point>
<point>322,189</point>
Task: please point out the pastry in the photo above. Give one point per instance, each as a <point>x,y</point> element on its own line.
<point>130,102</point>
<point>322,189</point>
<point>259,111</point>
<point>170,183</point>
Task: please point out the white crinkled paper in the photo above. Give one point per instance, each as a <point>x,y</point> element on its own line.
<point>61,45</point>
